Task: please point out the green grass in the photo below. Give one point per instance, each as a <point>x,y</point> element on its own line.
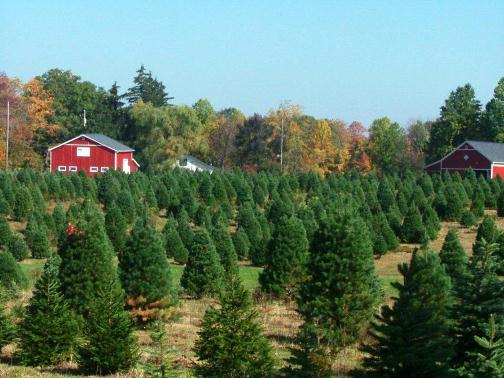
<point>248,274</point>
<point>386,282</point>
<point>32,269</point>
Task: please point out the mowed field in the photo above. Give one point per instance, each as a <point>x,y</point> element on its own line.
<point>279,319</point>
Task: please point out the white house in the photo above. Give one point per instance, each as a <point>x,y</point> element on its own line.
<point>193,164</point>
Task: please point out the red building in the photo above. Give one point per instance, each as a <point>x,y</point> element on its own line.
<point>92,153</point>
<point>484,158</point>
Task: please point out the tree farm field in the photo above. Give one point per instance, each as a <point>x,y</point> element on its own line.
<point>279,319</point>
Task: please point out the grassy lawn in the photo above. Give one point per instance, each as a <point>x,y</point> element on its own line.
<point>32,269</point>
<point>248,274</point>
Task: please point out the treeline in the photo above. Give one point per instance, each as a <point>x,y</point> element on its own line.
<point>315,237</point>
<point>50,109</point>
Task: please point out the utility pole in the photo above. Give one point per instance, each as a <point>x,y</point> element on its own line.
<point>84,119</point>
<point>281,145</point>
<point>7,141</point>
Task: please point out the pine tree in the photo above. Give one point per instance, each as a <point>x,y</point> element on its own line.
<point>116,226</point>
<point>40,243</point>
<point>174,246</point>
<point>49,332</point>
<point>22,203</point>
<point>481,296</point>
<point>412,335</point>
<point>203,272</point>
<point>160,341</point>
<point>490,362</point>
<point>110,345</point>
<point>487,230</point>
<point>287,256</point>
<point>431,222</point>
<point>468,219</point>
<point>454,258</point>
<point>86,262</point>
<point>18,248</point>
<point>248,223</point>
<point>184,229</point>
<point>241,243</point>
<point>225,249</point>
<point>413,230</point>
<point>5,232</point>
<point>339,299</point>
<point>126,205</point>
<point>7,328</point>
<point>11,275</point>
<point>454,205</point>
<point>231,341</point>
<point>500,204</point>
<point>143,268</point>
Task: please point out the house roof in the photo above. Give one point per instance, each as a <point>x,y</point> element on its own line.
<point>492,151</point>
<point>198,162</point>
<point>102,140</point>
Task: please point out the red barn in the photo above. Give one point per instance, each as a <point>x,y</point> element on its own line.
<point>485,158</point>
<point>92,153</point>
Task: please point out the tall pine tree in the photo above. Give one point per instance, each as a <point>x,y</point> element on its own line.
<point>49,332</point>
<point>231,341</point>
<point>287,257</point>
<point>412,335</point>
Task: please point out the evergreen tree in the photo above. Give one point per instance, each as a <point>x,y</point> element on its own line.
<point>110,345</point>
<point>249,224</point>
<point>18,248</point>
<point>174,246</point>
<point>147,89</point>
<point>500,204</point>
<point>22,203</point>
<point>468,219</point>
<point>184,229</point>
<point>431,222</point>
<point>160,340</point>
<point>49,332</point>
<point>5,232</point>
<point>231,341</point>
<point>490,362</point>
<point>287,256</point>
<point>411,336</point>
<point>40,243</point>
<point>241,243</point>
<point>225,249</point>
<point>413,230</point>
<point>454,204</point>
<point>454,258</point>
<point>203,272</point>
<point>86,261</point>
<point>116,226</point>
<point>7,328</point>
<point>126,205</point>
<point>339,298</point>
<point>143,268</point>
<point>11,275</point>
<point>481,296</point>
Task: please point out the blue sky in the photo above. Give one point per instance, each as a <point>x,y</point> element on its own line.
<point>351,60</point>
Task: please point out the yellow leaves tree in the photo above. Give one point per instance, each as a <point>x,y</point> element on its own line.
<point>37,104</point>
<point>321,151</point>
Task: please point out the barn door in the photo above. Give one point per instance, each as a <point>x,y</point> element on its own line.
<point>126,167</point>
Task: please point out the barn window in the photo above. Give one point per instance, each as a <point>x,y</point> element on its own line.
<point>83,151</point>
<point>61,168</point>
<point>104,169</point>
<point>466,157</point>
<point>93,169</point>
<point>72,168</point>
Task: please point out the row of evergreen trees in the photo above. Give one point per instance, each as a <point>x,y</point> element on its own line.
<point>315,237</point>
